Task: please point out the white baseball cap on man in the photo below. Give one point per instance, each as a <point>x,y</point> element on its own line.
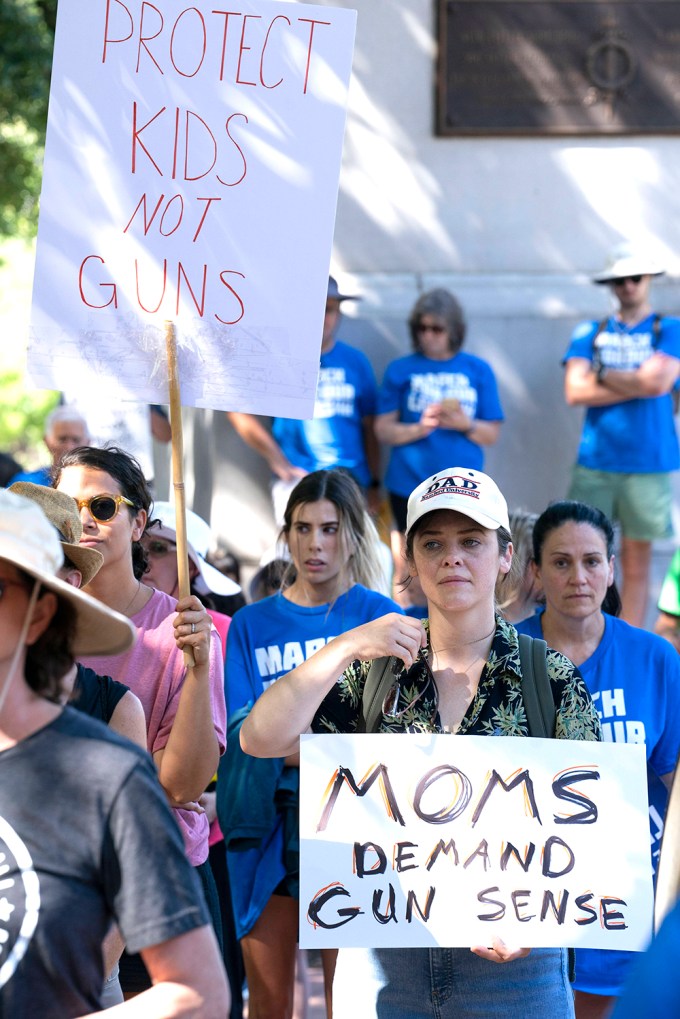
<point>463,490</point>
<point>628,259</point>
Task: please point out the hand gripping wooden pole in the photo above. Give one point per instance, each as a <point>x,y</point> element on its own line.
<point>178,473</point>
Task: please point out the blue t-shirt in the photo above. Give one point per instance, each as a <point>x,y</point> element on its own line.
<point>634,679</point>
<point>346,394</point>
<point>265,641</point>
<point>634,436</point>
<point>273,636</point>
<point>412,383</point>
<point>43,476</point>
<point>654,988</point>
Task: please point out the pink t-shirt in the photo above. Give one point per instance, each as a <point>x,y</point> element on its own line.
<point>222,624</point>
<point>154,670</point>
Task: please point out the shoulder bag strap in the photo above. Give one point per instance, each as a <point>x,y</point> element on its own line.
<point>657,327</point>
<point>539,704</point>
<point>597,356</point>
<point>379,681</point>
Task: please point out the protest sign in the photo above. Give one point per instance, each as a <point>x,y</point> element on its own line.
<point>420,840</point>
<point>191,173</point>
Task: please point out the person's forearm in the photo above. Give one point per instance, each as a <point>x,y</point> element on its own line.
<point>371,447</point>
<point>190,757</point>
<point>171,1001</point>
<point>631,385</point>
<point>260,439</point>
<point>287,707</point>
<point>582,389</point>
<point>399,433</point>
<point>484,433</point>
<point>188,977</point>
<point>625,384</point>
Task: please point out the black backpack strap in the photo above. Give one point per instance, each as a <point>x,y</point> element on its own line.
<point>596,357</point>
<point>657,327</point>
<point>537,694</point>
<point>379,681</point>
<point>539,706</point>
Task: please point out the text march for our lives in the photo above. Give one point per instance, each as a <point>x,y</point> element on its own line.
<point>191,175</point>
<point>419,840</point>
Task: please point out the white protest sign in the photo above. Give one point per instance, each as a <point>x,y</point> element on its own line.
<point>418,840</point>
<point>191,173</point>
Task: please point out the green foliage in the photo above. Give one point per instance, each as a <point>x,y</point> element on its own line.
<point>22,419</point>
<point>26,42</point>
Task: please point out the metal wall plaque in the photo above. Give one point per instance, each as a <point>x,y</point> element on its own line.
<point>526,67</point>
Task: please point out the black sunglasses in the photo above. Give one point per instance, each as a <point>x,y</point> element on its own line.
<point>436,329</point>
<point>391,700</point>
<point>104,507</point>
<point>620,280</point>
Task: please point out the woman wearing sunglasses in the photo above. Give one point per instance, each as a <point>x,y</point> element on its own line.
<point>160,545</point>
<point>437,405</point>
<point>86,837</point>
<point>185,714</point>
<point>463,676</point>
<point>326,590</point>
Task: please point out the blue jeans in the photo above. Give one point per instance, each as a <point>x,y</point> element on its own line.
<point>450,983</point>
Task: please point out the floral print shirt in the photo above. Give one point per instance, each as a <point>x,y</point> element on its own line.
<point>497,709</point>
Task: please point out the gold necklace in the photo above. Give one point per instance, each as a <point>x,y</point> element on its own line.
<point>129,605</point>
<point>467,643</point>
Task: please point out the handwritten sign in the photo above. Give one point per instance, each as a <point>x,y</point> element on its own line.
<point>191,174</point>
<point>421,840</point>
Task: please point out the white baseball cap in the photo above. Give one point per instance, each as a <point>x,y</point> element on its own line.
<point>30,542</point>
<point>628,259</point>
<point>199,539</point>
<point>464,490</point>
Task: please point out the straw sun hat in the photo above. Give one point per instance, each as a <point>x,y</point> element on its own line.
<point>29,541</point>
<point>62,512</point>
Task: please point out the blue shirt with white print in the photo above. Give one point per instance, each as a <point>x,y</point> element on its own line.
<point>634,436</point>
<point>634,679</point>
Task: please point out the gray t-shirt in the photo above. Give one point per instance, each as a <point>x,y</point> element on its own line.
<point>86,837</point>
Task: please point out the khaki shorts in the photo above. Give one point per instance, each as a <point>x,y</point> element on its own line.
<point>640,503</point>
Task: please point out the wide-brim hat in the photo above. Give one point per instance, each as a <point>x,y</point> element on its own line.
<point>199,540</point>
<point>62,512</point>
<point>334,292</point>
<point>469,492</point>
<point>629,260</point>
<point>29,541</point>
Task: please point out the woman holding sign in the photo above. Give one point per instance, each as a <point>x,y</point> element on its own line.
<point>463,676</point>
<point>633,676</point>
<point>184,710</point>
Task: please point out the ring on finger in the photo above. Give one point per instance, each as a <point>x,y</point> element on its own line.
<point>193,627</point>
